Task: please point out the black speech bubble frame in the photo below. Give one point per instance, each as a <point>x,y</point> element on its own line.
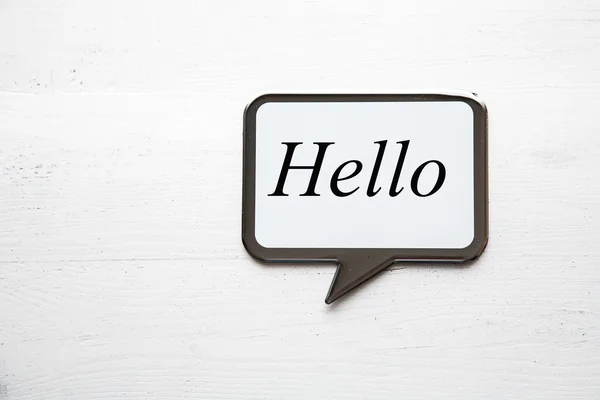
<point>355,265</point>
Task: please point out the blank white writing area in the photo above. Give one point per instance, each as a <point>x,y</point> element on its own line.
<point>122,271</point>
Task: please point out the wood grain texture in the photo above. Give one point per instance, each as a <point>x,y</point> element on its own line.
<point>122,273</point>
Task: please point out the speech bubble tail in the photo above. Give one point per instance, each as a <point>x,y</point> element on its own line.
<point>353,271</point>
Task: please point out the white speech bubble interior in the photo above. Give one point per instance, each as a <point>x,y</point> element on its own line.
<point>436,130</point>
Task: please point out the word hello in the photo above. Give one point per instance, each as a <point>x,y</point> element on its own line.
<point>358,166</point>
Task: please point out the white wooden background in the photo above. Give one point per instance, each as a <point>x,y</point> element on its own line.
<point>122,272</point>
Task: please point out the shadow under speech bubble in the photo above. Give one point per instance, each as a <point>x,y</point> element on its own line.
<point>357,265</point>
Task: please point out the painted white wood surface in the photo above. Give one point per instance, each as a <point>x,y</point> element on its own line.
<point>122,273</point>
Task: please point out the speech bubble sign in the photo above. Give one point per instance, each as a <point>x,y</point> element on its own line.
<point>365,181</point>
